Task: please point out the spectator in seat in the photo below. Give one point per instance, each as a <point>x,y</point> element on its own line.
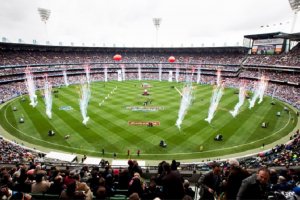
<point>40,185</point>
<point>187,189</point>
<point>172,183</point>
<point>211,182</point>
<point>234,179</point>
<point>255,186</point>
<point>57,186</point>
<point>82,186</point>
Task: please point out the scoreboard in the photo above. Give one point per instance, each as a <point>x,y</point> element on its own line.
<point>268,46</point>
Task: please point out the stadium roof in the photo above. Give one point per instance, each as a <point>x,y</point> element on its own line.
<point>290,36</point>
<point>264,35</point>
<point>168,50</point>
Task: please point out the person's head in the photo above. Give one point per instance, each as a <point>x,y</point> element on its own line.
<point>4,191</point>
<point>273,176</point>
<point>130,163</point>
<point>39,177</point>
<point>101,192</point>
<point>137,175</point>
<point>76,177</point>
<point>186,184</point>
<point>281,179</point>
<point>187,197</point>
<point>263,175</point>
<point>58,179</point>
<point>216,168</point>
<point>166,167</point>
<point>174,165</point>
<point>233,163</point>
<point>134,196</point>
<point>160,167</point>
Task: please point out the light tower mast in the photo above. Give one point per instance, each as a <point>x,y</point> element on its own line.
<point>295,5</point>
<point>44,14</point>
<point>156,22</point>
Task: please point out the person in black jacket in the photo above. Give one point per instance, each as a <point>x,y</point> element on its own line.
<point>255,186</point>
<point>210,183</point>
<point>234,179</point>
<point>172,183</point>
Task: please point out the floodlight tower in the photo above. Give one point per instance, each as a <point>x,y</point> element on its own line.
<point>156,22</point>
<point>295,5</point>
<point>44,14</point>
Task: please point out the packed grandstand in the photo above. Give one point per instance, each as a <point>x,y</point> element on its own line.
<point>24,167</point>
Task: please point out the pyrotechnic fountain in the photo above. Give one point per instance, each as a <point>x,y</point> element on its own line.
<point>139,73</point>
<point>259,92</point>
<point>87,70</point>
<point>240,103</point>
<point>216,97</point>
<point>105,73</point>
<point>170,79</point>
<point>85,95</point>
<point>159,72</point>
<point>198,75</point>
<point>65,78</point>
<point>273,93</point>
<point>186,100</point>
<point>48,97</point>
<point>30,87</point>
<point>177,75</point>
<point>123,72</point>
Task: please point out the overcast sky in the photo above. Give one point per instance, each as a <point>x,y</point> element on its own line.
<point>130,22</point>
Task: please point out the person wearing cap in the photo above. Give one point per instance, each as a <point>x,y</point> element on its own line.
<point>210,182</point>
<point>234,179</point>
<point>255,186</point>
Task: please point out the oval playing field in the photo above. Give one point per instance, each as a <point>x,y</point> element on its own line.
<point>119,121</point>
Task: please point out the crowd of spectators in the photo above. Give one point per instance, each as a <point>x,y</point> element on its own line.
<point>25,179</point>
<point>54,63</point>
<point>228,179</point>
<point>287,92</point>
<point>274,76</point>
<point>11,152</point>
<point>32,177</point>
<point>283,154</point>
<point>285,59</point>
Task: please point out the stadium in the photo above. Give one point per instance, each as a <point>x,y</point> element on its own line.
<point>79,107</point>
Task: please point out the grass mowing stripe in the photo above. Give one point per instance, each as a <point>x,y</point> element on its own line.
<point>110,121</point>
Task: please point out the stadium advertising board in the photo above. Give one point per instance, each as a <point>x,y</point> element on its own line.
<point>267,46</point>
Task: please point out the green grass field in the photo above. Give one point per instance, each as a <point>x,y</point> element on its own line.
<point>108,126</point>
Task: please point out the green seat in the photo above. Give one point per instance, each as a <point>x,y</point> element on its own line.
<point>118,197</point>
<point>121,192</point>
<point>51,196</point>
<point>43,196</point>
<point>37,195</point>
